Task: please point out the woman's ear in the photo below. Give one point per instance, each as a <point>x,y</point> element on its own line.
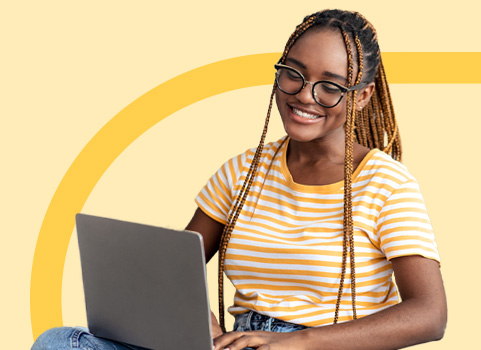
<point>364,95</point>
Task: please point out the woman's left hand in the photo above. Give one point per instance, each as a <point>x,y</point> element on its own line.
<point>259,340</point>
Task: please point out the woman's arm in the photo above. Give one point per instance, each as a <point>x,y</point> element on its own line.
<point>419,318</point>
<point>211,232</point>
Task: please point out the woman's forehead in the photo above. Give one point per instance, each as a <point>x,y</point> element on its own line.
<point>318,51</point>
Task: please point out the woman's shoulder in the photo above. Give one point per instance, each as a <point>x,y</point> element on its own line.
<point>381,163</point>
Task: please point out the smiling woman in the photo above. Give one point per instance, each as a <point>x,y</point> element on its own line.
<point>296,238</point>
<point>311,228</point>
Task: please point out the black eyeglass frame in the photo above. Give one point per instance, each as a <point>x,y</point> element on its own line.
<point>305,82</point>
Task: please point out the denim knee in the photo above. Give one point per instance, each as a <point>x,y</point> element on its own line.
<point>61,338</point>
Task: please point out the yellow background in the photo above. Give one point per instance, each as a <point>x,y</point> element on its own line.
<point>69,67</point>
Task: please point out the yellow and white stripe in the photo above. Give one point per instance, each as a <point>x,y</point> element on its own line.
<point>284,257</point>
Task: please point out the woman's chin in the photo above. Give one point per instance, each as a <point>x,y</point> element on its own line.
<point>301,134</point>
<point>301,137</point>
<point>309,133</point>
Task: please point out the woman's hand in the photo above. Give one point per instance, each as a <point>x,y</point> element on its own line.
<point>259,340</point>
<point>216,330</point>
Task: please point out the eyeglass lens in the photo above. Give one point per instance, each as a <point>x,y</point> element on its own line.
<point>291,82</point>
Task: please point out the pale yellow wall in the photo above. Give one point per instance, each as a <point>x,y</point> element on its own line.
<point>69,67</point>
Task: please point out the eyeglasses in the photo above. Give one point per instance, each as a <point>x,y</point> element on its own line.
<point>326,93</point>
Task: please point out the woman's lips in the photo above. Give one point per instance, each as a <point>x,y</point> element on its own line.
<point>302,116</point>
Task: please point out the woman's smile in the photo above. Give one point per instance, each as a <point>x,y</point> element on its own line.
<point>304,117</point>
<point>305,114</point>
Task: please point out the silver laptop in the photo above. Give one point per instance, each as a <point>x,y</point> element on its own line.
<point>144,285</point>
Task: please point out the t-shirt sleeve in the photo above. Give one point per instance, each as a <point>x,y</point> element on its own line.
<point>217,196</point>
<point>404,227</point>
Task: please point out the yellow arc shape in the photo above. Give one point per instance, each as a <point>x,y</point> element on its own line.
<point>157,104</point>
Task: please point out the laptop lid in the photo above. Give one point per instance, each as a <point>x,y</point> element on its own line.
<point>144,285</point>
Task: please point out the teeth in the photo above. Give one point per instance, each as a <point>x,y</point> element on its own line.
<point>304,114</point>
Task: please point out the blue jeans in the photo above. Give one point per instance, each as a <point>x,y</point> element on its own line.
<point>66,338</point>
<point>63,338</point>
<point>252,321</point>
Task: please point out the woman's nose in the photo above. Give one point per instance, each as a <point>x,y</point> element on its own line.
<point>305,95</point>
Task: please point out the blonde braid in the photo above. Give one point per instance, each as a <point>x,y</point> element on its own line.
<point>234,215</point>
<point>241,197</point>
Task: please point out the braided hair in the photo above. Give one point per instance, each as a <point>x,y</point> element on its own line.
<point>373,127</point>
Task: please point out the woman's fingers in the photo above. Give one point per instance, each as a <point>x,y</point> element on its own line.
<point>264,347</point>
<point>260,340</point>
<point>234,340</point>
<point>247,340</point>
<point>225,339</point>
<point>216,330</point>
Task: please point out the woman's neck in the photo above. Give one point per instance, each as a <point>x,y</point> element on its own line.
<point>320,162</point>
<point>316,151</point>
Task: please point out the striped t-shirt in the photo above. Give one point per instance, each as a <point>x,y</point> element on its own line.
<point>285,254</point>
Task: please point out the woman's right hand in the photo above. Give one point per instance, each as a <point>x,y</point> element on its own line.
<point>216,330</point>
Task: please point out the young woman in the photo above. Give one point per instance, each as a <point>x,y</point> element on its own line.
<point>311,228</point>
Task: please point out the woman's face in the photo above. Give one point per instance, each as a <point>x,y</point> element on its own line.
<point>319,54</point>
